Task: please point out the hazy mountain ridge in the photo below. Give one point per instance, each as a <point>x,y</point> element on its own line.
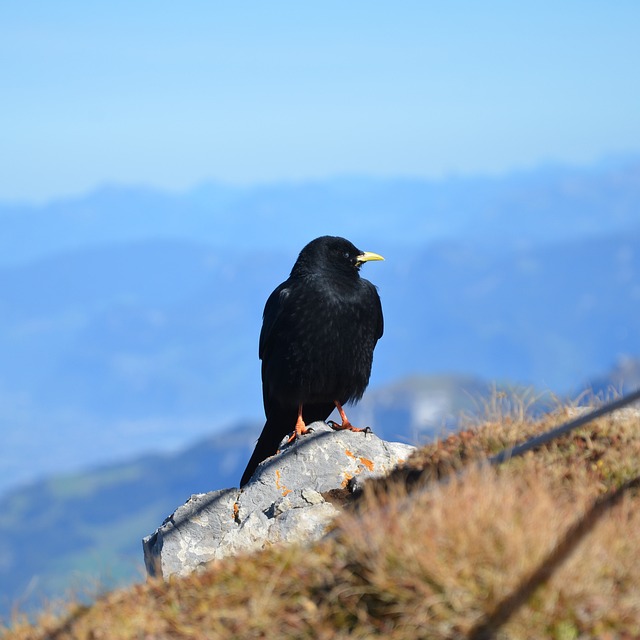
<point>552,203</point>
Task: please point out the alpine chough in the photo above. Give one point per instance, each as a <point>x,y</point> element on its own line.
<point>319,329</point>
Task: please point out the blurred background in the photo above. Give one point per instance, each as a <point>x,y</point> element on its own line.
<point>162,164</point>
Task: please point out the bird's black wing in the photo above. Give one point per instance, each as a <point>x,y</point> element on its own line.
<point>377,310</point>
<point>381,318</point>
<point>273,311</point>
<point>280,420</point>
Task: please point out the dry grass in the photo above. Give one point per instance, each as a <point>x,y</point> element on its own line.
<point>545,546</point>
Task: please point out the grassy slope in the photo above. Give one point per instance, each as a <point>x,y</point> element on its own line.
<point>521,552</point>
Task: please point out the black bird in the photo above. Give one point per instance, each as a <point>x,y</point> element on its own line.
<point>319,329</point>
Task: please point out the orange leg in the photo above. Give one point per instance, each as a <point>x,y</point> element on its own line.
<point>300,428</point>
<point>345,421</point>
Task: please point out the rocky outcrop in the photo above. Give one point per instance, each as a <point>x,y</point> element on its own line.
<point>283,502</point>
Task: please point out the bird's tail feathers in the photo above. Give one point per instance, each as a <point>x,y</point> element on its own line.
<point>267,445</point>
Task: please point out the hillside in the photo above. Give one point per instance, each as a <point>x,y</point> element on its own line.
<point>543,546</point>
<point>72,531</point>
<point>69,531</point>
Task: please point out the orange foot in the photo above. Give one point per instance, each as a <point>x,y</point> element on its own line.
<point>345,422</point>
<point>301,428</point>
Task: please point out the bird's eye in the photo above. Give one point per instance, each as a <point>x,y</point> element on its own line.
<point>347,255</point>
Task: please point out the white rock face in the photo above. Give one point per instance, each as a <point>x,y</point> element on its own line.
<point>282,503</point>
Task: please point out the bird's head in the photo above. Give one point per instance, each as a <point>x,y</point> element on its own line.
<point>332,254</point>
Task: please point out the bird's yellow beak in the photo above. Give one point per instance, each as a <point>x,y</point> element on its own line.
<point>367,256</point>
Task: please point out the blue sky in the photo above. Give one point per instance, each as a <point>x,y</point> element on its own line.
<point>173,94</point>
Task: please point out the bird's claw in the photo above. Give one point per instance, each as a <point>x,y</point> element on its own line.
<point>297,433</point>
<point>347,427</point>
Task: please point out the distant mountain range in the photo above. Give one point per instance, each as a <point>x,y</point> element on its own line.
<point>129,318</point>
<point>551,204</point>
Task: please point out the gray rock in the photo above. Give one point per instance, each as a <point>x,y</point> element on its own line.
<point>282,503</point>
